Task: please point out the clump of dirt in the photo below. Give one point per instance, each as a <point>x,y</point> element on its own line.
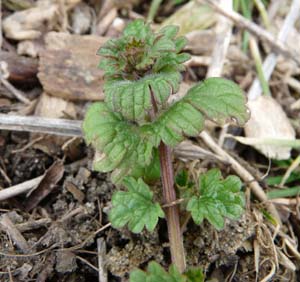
<point>206,246</point>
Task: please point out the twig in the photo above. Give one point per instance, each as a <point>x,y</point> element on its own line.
<point>289,171</point>
<point>3,79</point>
<point>17,93</point>
<point>33,224</point>
<point>271,60</point>
<point>87,263</point>
<point>7,225</point>
<point>90,237</point>
<point>285,201</point>
<point>28,145</point>
<point>19,188</point>
<point>7,179</point>
<point>101,248</point>
<point>223,31</point>
<point>190,151</point>
<point>104,24</point>
<point>37,124</point>
<point>72,213</point>
<point>242,172</point>
<point>256,30</point>
<point>196,61</point>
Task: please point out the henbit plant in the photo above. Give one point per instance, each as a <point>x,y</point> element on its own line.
<point>134,129</point>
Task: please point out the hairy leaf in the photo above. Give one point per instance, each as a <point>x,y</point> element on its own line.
<point>220,100</point>
<point>133,98</point>
<point>135,207</point>
<point>180,119</point>
<point>138,61</point>
<point>217,98</point>
<point>121,145</point>
<point>217,199</point>
<point>195,275</point>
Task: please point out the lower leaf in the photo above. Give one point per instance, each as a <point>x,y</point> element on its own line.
<point>135,207</point>
<point>217,199</point>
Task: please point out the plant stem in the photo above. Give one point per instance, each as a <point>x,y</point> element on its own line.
<point>169,196</point>
<point>172,213</point>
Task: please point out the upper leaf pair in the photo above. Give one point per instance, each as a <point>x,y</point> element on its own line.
<point>140,65</point>
<point>142,71</point>
<point>125,145</point>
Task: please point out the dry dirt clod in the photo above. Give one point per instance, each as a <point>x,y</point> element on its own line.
<point>65,262</point>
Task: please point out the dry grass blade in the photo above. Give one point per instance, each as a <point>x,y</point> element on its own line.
<point>271,60</point>
<point>223,31</point>
<point>61,127</point>
<point>257,31</point>
<point>101,247</point>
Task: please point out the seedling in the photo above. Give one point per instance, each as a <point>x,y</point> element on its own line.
<point>134,129</point>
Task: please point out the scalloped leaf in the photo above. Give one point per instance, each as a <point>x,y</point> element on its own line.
<point>120,145</point>
<point>138,60</point>
<point>217,199</point>
<point>181,119</point>
<point>138,29</point>
<point>217,98</point>
<point>135,207</point>
<point>220,100</point>
<point>133,98</point>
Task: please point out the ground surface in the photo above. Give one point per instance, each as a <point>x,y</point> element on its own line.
<point>61,231</point>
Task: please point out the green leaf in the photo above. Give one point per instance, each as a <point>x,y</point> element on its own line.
<point>121,145</point>
<point>133,98</point>
<point>220,100</point>
<point>138,61</point>
<point>195,275</point>
<point>217,199</point>
<point>179,120</point>
<point>156,273</point>
<point>135,207</point>
<point>170,31</point>
<point>137,29</point>
<point>149,173</point>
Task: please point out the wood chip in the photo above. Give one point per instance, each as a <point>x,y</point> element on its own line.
<point>69,66</point>
<point>20,68</point>
<point>52,176</point>
<point>77,194</point>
